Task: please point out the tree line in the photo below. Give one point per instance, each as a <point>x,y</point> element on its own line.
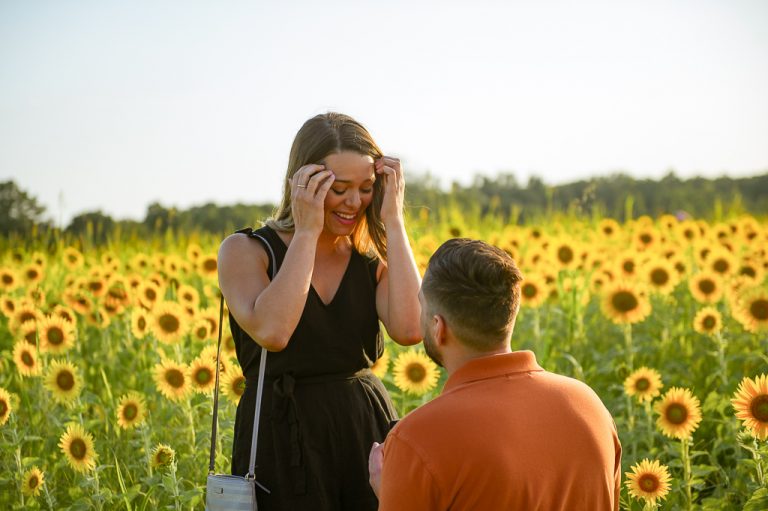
<point>618,196</point>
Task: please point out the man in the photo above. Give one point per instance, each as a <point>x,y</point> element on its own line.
<point>504,433</point>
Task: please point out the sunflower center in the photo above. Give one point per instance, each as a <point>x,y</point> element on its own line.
<point>748,271</point>
<point>78,449</point>
<point>565,254</point>
<point>130,411</point>
<point>677,413</point>
<point>3,408</point>
<point>150,294</point>
<point>624,301</point>
<point>175,378</point>
<point>646,238</point>
<point>629,266</point>
<point>33,482</point>
<point>648,483</point>
<point>163,457</point>
<point>32,274</point>
<point>529,291</point>
<point>169,323</point>
<point>709,322</point>
<point>203,376</point>
<point>27,359</point>
<point>7,279</point>
<point>721,266</point>
<point>642,384</point>
<point>759,309</point>
<point>416,372</point>
<point>659,276</point>
<point>142,322</point>
<point>55,336</point>
<point>30,337</point>
<point>238,386</point>
<point>210,265</point>
<point>707,286</point>
<point>65,380</point>
<point>758,407</point>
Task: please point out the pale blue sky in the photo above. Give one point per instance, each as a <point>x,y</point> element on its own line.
<point>112,105</point>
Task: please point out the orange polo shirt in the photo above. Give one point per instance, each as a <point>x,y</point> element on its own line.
<point>504,435</point>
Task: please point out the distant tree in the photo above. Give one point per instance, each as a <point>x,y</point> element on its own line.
<point>94,226</point>
<point>19,212</point>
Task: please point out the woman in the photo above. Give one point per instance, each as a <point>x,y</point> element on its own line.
<point>344,264</point>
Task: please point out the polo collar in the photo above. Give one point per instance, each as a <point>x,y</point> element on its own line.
<point>493,366</point>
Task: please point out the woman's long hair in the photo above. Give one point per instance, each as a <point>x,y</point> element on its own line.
<point>320,136</point>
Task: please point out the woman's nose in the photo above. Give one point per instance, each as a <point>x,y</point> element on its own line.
<point>353,199</point>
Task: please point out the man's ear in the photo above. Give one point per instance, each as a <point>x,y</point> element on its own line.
<point>441,329</point>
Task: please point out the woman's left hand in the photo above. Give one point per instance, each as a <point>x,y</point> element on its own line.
<point>388,168</point>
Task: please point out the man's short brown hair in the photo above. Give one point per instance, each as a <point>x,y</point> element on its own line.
<point>476,288</point>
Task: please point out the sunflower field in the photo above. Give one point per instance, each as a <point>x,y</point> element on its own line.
<point>108,357</point>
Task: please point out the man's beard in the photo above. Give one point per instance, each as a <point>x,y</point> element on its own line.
<point>431,349</point>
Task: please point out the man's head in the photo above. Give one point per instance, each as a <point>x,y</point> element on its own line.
<point>475,288</point>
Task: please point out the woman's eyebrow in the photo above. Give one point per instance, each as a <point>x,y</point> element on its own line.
<point>372,179</point>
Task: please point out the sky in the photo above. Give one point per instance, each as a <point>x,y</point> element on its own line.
<point>111,105</point>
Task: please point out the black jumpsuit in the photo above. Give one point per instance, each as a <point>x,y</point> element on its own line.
<point>322,408</point>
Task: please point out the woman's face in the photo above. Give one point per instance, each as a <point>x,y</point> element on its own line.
<point>351,191</point>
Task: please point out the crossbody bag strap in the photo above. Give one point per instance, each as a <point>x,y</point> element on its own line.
<point>259,388</point>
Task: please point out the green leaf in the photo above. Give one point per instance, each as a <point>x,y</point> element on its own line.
<point>758,501</point>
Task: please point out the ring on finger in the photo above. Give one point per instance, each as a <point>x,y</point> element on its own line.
<point>301,186</point>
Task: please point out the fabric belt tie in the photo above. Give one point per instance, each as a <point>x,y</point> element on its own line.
<point>286,411</point>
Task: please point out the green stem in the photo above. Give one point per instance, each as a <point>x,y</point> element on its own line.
<point>628,347</point>
<point>19,470</point>
<point>649,425</point>
<point>686,458</point>
<point>758,464</point>
<point>176,496</point>
<point>721,344</point>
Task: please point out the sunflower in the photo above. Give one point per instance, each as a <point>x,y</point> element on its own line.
<point>202,375</point>
<point>56,335</point>
<point>9,279</point>
<point>564,253</point>
<point>77,446</point>
<point>750,402</point>
<point>72,258</point>
<point>65,313</point>
<point>149,293</point>
<point>162,456</point>
<point>209,353</point>
<point>201,330</point>
<point>194,251</point>
<point>139,262</point>
<point>708,321</point>
<point>644,384</point>
<point>679,413</point>
<point>98,317</point>
<point>649,481</point>
<point>721,262</point>
<point>139,323</point>
<point>96,284</point>
<point>32,481</point>
<point>33,274</point>
<point>751,269</point>
<point>188,295</point>
<point>415,373</point>
<point>131,410</point>
<point>706,287</point>
<point>23,313</point>
<point>25,358</point>
<point>28,333</point>
<point>228,343</point>
<point>609,228</point>
<point>63,381</point>
<point>168,321</point>
<point>379,368</point>
<point>172,380</point>
<point>533,290</point>
<point>645,238</point>
<point>660,275</point>
<point>78,301</point>
<point>207,265</point>
<point>623,304</point>
<point>751,309</point>
<point>232,384</point>
<point>5,406</point>
<point>7,306</point>
<point>627,265</point>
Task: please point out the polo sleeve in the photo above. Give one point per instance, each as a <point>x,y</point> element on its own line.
<point>407,483</point>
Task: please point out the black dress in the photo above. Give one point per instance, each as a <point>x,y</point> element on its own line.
<point>322,408</point>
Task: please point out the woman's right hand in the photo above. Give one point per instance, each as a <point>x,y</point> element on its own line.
<point>309,186</point>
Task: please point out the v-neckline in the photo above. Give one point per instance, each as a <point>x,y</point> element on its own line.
<point>312,287</point>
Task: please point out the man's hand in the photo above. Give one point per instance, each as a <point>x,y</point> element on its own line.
<point>375,462</point>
